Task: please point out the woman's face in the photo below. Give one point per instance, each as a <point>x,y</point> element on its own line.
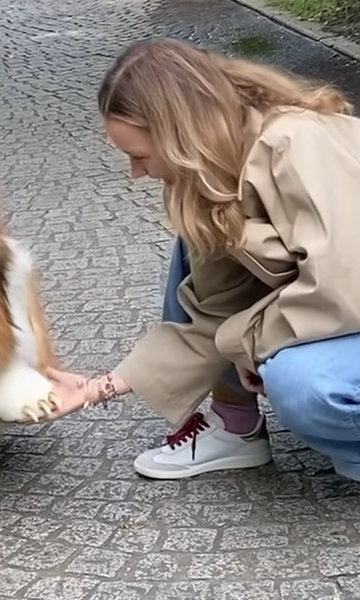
<point>138,145</point>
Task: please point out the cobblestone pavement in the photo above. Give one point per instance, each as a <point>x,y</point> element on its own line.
<point>76,523</point>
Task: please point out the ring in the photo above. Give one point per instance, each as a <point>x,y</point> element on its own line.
<point>86,404</point>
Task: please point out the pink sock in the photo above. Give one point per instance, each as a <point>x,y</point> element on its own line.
<point>237,418</point>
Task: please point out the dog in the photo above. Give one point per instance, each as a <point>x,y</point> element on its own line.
<point>25,346</point>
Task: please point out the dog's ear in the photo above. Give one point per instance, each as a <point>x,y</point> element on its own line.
<point>45,356</point>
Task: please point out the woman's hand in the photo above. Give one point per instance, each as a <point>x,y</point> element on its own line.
<point>68,391</point>
<point>250,381</point>
<point>74,391</point>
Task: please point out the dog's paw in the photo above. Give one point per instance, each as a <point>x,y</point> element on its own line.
<point>41,408</point>
<point>25,395</point>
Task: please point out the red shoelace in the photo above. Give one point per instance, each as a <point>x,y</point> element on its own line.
<point>189,430</point>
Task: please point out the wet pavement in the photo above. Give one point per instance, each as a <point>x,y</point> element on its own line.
<point>76,523</point>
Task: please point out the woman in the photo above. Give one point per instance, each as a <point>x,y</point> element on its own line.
<point>261,179</point>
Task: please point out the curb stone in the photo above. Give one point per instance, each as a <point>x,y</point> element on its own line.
<point>307,29</point>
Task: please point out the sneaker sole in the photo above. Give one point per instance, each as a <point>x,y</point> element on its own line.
<point>223,464</point>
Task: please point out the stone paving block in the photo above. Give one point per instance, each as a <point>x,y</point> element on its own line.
<point>183,590</point>
<point>116,430</point>
<point>349,587</point>
<point>8,519</point>
<point>86,467</point>
<point>122,469</point>
<point>210,491</point>
<point>97,562</point>
<point>339,561</point>
<point>311,589</point>
<point>9,545</point>
<point>157,567</point>
<point>314,463</point>
<point>230,565</point>
<point>65,428</point>
<point>264,590</point>
<point>35,528</point>
<point>87,448</point>
<point>133,538</point>
<point>61,588</point>
<point>283,485</point>
<point>287,463</point>
<point>104,490</point>
<point>266,536</point>
<point>155,491</point>
<point>127,512</point>
<point>14,482</point>
<point>75,509</point>
<point>22,462</point>
<point>289,510</point>
<point>81,533</point>
<point>47,555</point>
<point>179,514</point>
<point>323,534</point>
<point>28,503</point>
<point>31,445</point>
<point>286,563</point>
<point>128,449</point>
<point>227,514</point>
<point>13,580</point>
<point>56,484</point>
<point>340,508</point>
<point>334,486</point>
<point>122,591</point>
<point>190,540</point>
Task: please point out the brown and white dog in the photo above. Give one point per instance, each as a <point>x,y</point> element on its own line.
<point>25,346</point>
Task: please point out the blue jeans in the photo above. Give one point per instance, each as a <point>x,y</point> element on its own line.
<point>314,388</point>
<point>315,391</point>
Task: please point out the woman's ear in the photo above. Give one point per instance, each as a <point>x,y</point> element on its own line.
<point>45,356</point>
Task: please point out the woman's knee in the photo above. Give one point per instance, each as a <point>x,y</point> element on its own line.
<point>292,392</point>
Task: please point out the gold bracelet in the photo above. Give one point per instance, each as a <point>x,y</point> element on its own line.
<point>106,393</point>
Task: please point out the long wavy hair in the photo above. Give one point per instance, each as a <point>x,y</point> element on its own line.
<point>196,106</point>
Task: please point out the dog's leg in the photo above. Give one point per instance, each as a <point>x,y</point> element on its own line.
<point>25,393</point>
<point>45,356</point>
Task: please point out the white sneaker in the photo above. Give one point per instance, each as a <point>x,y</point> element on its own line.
<point>203,445</point>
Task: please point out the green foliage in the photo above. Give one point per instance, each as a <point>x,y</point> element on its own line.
<point>322,10</point>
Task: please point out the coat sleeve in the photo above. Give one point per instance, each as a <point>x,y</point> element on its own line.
<point>313,202</point>
<point>175,365</point>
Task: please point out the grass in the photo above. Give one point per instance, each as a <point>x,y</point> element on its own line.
<point>254,45</point>
<point>321,10</point>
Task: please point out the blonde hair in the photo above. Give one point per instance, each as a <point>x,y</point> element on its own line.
<point>196,106</point>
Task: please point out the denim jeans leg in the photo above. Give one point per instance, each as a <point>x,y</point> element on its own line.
<point>315,391</point>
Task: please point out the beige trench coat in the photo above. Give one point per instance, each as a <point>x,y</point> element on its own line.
<point>296,279</point>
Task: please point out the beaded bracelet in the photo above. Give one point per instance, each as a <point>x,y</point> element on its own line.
<point>106,393</point>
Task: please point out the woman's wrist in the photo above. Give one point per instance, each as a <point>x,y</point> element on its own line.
<point>120,385</point>
<point>105,388</point>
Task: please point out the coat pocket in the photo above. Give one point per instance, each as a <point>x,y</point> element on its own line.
<point>274,275</point>
<point>265,255</point>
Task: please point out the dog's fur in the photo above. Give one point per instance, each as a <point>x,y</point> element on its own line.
<point>25,346</point>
